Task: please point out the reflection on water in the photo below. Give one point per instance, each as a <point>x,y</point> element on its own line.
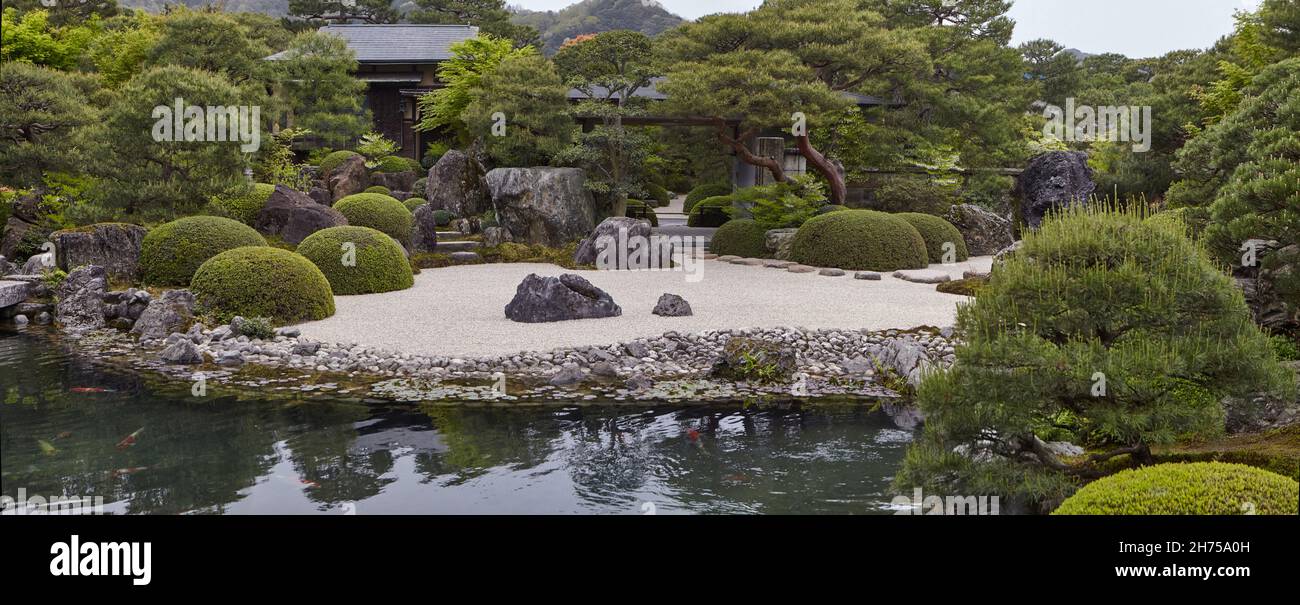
<point>63,424</point>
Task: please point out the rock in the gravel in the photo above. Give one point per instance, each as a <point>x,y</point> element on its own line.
<point>171,312</point>
<point>569,296</point>
<point>923,276</point>
<point>867,275</point>
<point>611,244</point>
<point>181,352</point>
<point>831,272</point>
<point>547,206</point>
<point>672,305</point>
<point>81,298</point>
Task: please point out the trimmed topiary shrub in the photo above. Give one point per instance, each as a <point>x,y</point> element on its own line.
<point>170,253</point>
<point>704,192</point>
<point>244,204</point>
<point>379,264</point>
<point>332,161</point>
<point>412,203</point>
<point>660,195</point>
<point>1103,330</point>
<point>859,240</point>
<point>442,218</point>
<point>937,232</point>
<point>260,281</point>
<point>377,211</point>
<point>420,187</point>
<point>641,210</point>
<point>741,237</point>
<point>829,208</point>
<point>395,163</point>
<point>711,212</point>
<point>1197,488</point>
<point>379,189</point>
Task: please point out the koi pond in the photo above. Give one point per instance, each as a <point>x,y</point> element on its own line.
<point>71,426</point>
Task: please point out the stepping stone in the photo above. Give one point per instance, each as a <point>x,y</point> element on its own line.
<point>831,272</point>
<point>726,258</point>
<point>709,256</point>
<point>779,264</point>
<point>463,257</point>
<point>867,275</point>
<point>975,275</point>
<point>456,246</point>
<point>13,292</point>
<point>801,269</point>
<point>749,262</point>
<point>923,276</point>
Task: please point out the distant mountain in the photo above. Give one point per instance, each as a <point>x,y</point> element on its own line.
<point>1078,54</point>
<point>595,16</point>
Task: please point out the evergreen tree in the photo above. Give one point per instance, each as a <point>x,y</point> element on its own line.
<point>521,112</point>
<point>315,76</point>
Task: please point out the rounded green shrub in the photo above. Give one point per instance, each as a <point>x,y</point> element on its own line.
<point>741,237</point>
<point>420,187</point>
<point>660,195</point>
<point>704,192</point>
<point>170,253</point>
<point>412,203</point>
<point>379,189</point>
<point>937,232</point>
<point>373,263</point>
<point>262,281</point>
<point>395,163</point>
<point>829,208</point>
<point>245,203</point>
<point>442,218</point>
<point>711,212</point>
<point>641,210</point>
<point>1196,488</point>
<point>859,240</point>
<point>332,161</point>
<point>377,211</point>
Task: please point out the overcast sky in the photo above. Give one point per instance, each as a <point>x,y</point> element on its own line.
<point>1137,28</point>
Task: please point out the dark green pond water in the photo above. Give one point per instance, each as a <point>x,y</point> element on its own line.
<point>64,423</point>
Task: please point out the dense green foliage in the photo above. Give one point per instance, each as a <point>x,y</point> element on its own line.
<point>335,159</point>
<point>261,281</point>
<point>780,205</point>
<point>1095,332</point>
<point>740,237</point>
<point>702,192</point>
<point>377,211</point>
<point>245,203</point>
<point>859,240</point>
<point>412,203</point>
<point>372,263</point>
<point>1198,488</point>
<point>525,100</point>
<point>461,74</point>
<point>172,252</point>
<point>710,212</point>
<point>315,77</point>
<point>396,163</point>
<point>378,189</point>
<point>937,233</point>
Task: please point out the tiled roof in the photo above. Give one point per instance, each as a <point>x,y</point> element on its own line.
<point>399,43</point>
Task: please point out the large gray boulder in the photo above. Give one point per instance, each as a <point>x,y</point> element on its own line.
<point>455,184</point>
<point>15,231</point>
<point>424,229</point>
<point>13,292</point>
<point>113,246</point>
<point>545,299</point>
<point>294,215</point>
<point>171,312</point>
<point>607,238</point>
<point>81,298</point>
<point>394,181</point>
<point>985,233</point>
<point>1053,180</point>
<point>348,177</point>
<point>546,206</point>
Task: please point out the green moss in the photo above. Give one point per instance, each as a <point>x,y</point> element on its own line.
<point>709,212</point>
<point>859,240</point>
<point>378,265</point>
<point>377,211</point>
<point>379,189</point>
<point>412,203</point>
<point>334,159</point>
<point>442,218</point>
<point>395,163</point>
<point>260,281</point>
<point>172,252</point>
<point>420,187</point>
<point>245,203</point>
<point>741,237</point>
<point>1285,347</point>
<point>937,234</point>
<point>702,193</point>
<point>963,287</point>
<point>1197,488</point>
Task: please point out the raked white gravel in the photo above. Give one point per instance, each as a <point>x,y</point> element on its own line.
<point>459,311</point>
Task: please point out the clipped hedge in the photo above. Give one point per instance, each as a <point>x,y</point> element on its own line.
<point>395,163</point>
<point>379,189</point>
<point>936,232</point>
<point>829,208</point>
<point>420,187</point>
<point>380,264</point>
<point>332,161</point>
<point>859,240</point>
<point>704,192</point>
<point>442,218</point>
<point>412,203</point>
<point>660,195</point>
<point>711,212</point>
<point>171,252</point>
<point>741,237</point>
<point>260,281</point>
<point>244,204</point>
<point>1196,488</point>
<point>641,210</point>
<point>377,211</point>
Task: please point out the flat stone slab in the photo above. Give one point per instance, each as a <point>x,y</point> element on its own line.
<point>749,262</point>
<point>831,272</point>
<point>726,258</point>
<point>709,256</point>
<point>867,275</point>
<point>800,269</point>
<point>455,246</point>
<point>923,276</point>
<point>31,279</point>
<point>779,264</point>
<point>463,257</point>
<point>13,292</point>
